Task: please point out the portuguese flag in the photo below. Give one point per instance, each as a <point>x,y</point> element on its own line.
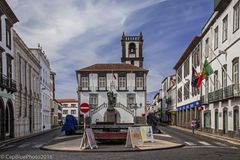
<point>207,71</point>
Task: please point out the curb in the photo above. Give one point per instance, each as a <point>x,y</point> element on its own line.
<point>226,139</point>
<point>109,151</point>
<point>14,140</point>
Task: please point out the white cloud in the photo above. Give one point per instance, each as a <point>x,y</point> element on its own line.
<point>72,31</point>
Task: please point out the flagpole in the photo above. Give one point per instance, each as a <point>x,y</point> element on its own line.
<point>216,57</point>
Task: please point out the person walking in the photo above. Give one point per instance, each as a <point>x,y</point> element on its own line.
<point>193,125</point>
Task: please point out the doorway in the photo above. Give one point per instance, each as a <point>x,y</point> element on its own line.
<point>2,115</point>
<point>216,121</point>
<point>9,120</point>
<point>236,120</point>
<point>225,121</point>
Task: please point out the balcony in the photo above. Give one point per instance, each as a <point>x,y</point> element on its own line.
<point>215,96</point>
<point>4,81</point>
<point>12,85</point>
<point>230,91</point>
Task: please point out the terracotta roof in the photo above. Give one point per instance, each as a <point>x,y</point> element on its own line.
<point>66,100</point>
<point>187,51</point>
<point>112,67</point>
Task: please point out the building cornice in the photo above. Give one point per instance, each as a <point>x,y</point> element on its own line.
<point>196,40</point>
<point>23,46</point>
<point>5,9</point>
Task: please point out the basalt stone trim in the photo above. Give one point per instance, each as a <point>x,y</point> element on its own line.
<point>231,134</point>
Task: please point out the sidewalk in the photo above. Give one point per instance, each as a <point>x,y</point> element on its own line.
<point>209,135</point>
<point>13,140</point>
<point>72,144</point>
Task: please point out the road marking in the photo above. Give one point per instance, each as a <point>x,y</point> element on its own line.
<point>190,143</point>
<point>23,145</point>
<point>37,146</point>
<point>165,135</point>
<point>8,146</point>
<point>204,143</point>
<point>209,147</point>
<point>220,144</point>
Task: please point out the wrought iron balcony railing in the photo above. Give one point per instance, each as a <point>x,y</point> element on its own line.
<point>4,81</point>
<point>230,91</point>
<point>12,85</point>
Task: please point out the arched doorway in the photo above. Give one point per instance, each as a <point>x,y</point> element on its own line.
<point>9,120</point>
<point>225,121</point>
<point>2,113</point>
<point>236,119</point>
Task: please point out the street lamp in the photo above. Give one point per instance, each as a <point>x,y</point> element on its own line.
<point>135,107</point>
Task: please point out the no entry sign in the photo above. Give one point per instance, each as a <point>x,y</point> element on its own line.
<point>84,107</point>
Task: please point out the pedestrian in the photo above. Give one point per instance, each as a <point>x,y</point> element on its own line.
<point>193,125</point>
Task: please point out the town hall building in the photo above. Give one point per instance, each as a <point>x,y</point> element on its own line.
<point>127,81</point>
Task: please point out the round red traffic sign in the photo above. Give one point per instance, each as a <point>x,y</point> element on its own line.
<point>84,107</point>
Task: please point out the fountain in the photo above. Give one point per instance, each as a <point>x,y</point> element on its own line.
<point>111,130</point>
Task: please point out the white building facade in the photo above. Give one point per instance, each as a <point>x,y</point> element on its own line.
<point>7,80</point>
<point>127,80</point>
<point>27,98</point>
<point>69,107</point>
<point>168,110</point>
<point>221,94</point>
<point>188,97</point>
<point>44,87</point>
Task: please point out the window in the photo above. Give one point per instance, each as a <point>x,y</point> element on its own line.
<point>9,66</point>
<point>225,28</point>
<point>216,38</point>
<point>224,76</point>
<point>235,71</point>
<point>102,82</point>
<point>131,99</point>
<point>186,68</point>
<point>186,91</point>
<point>179,74</point>
<point>1,65</point>
<point>65,111</point>
<point>65,105</point>
<point>84,82</point>
<point>93,100</point>
<point>8,34</point>
<point>73,112</point>
<point>236,17</point>
<point>122,82</point>
<point>195,91</point>
<point>139,82</point>
<point>180,94</point>
<point>196,57</point>
<point>73,105</point>
<point>207,47</point>
<point>215,80</point>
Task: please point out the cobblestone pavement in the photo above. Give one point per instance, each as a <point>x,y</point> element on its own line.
<point>197,148</point>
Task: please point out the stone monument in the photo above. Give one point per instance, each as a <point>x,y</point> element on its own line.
<point>110,114</point>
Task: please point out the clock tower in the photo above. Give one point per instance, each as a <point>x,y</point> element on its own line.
<point>132,50</point>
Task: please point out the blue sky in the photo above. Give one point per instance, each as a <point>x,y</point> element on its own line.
<point>78,33</point>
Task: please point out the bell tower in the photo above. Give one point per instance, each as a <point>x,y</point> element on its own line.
<point>132,50</point>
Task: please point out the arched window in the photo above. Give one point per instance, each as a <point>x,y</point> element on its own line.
<point>132,48</point>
